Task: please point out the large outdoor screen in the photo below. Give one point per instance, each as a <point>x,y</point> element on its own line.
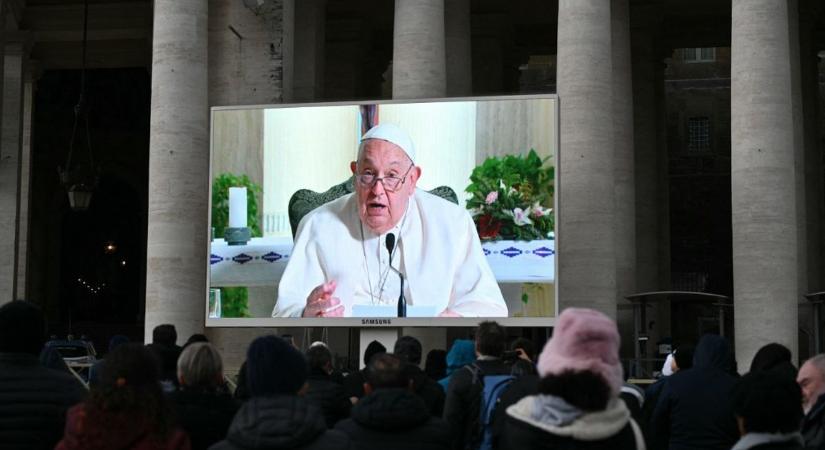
<point>488,163</point>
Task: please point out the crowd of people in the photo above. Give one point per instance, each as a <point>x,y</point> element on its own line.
<point>484,393</point>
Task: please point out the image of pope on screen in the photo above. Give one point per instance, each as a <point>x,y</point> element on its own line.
<point>351,254</point>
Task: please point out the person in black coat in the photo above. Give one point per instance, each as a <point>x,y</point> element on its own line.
<point>768,408</point>
<point>354,381</point>
<point>203,408</point>
<point>578,406</point>
<point>323,390</point>
<point>461,406</point>
<point>164,347</point>
<point>694,409</point>
<point>277,415</point>
<point>33,398</point>
<point>391,416</point>
<point>408,349</point>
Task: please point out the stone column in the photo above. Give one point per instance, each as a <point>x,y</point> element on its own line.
<point>310,20</point>
<point>25,184</point>
<point>587,271</point>
<point>10,147</point>
<point>458,48</point>
<point>625,192</point>
<point>418,58</point>
<point>178,168</point>
<point>763,178</point>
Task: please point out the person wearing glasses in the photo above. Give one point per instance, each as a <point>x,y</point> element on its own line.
<point>341,259</point>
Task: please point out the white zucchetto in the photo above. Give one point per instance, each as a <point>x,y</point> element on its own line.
<point>392,133</point>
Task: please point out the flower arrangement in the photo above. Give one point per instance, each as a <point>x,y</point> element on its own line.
<point>511,197</point>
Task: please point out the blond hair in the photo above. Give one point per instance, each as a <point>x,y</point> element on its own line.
<point>200,366</point>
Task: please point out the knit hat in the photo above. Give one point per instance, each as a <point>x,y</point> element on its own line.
<point>584,340</point>
<point>273,366</point>
<point>392,133</point>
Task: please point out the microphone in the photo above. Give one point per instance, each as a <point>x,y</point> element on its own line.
<point>402,303</point>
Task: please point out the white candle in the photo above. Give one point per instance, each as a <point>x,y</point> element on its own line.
<point>237,207</point>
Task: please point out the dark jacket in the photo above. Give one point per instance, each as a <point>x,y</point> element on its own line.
<point>354,384</point>
<point>329,396</point>
<point>204,415</point>
<point>395,419</point>
<point>461,406</point>
<point>813,425</point>
<point>428,389</point>
<point>521,387</point>
<point>167,356</point>
<point>652,394</point>
<point>92,430</point>
<point>283,421</point>
<point>532,423</point>
<point>33,402</point>
<point>694,410</point>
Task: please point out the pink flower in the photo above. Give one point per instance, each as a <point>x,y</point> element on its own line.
<point>491,197</point>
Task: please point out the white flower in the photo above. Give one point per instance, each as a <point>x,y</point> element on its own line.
<point>521,217</point>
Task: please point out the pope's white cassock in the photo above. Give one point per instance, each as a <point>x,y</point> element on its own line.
<point>438,250</point>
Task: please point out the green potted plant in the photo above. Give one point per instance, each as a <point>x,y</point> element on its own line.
<point>234,300</point>
<point>511,198</point>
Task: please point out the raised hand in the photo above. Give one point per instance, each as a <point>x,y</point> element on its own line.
<point>321,303</point>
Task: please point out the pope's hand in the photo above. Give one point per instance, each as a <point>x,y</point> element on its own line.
<point>449,313</point>
<point>321,303</point>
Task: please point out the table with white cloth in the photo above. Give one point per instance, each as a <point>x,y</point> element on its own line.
<point>520,267</point>
<point>262,261</point>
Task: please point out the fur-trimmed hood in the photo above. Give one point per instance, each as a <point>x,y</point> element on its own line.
<point>555,416</point>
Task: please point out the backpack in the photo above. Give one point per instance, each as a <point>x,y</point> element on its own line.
<point>492,386</point>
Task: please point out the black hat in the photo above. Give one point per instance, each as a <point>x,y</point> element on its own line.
<point>273,366</point>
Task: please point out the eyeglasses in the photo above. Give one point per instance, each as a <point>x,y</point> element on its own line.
<point>391,183</point>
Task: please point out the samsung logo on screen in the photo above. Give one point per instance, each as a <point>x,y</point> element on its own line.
<point>376,321</point>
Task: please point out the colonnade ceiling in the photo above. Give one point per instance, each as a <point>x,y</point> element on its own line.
<point>120,30</point>
<point>119,33</point>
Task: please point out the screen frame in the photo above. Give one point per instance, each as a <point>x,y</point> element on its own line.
<point>383,322</point>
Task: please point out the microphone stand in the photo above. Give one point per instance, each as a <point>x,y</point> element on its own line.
<point>402,302</point>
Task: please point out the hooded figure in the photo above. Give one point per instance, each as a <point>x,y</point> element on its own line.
<point>694,410</point>
<point>462,353</point>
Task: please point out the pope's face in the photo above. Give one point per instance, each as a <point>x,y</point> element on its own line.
<point>380,208</point>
